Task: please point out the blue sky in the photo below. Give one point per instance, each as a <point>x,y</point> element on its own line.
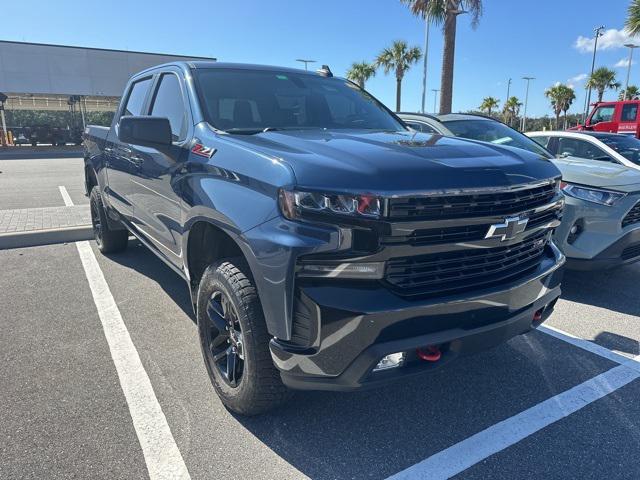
<point>544,39</point>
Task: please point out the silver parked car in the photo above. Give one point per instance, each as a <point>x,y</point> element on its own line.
<point>601,221</point>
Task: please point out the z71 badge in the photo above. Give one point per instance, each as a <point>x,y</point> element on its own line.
<point>203,151</point>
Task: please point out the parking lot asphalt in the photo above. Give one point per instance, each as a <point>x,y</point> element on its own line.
<point>65,400</point>
<point>532,403</point>
<point>34,183</point>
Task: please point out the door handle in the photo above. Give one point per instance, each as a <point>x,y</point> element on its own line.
<point>108,150</point>
<point>136,160</point>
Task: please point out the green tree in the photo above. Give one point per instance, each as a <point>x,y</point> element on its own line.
<point>399,58</point>
<point>633,17</point>
<point>446,12</point>
<point>561,97</point>
<point>601,80</point>
<point>511,109</point>
<point>361,72</point>
<point>633,93</point>
<point>488,104</point>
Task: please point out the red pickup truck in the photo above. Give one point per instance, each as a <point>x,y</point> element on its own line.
<point>616,117</point>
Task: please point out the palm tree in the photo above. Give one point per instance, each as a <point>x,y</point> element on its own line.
<point>561,97</point>
<point>633,18</point>
<point>488,104</point>
<point>633,93</point>
<point>511,109</point>
<point>601,80</point>
<point>361,72</point>
<point>398,57</point>
<point>446,12</point>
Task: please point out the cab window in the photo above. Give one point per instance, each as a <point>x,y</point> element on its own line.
<point>544,141</point>
<point>169,103</point>
<point>603,114</point>
<point>421,127</point>
<point>629,112</point>
<point>582,149</point>
<point>137,95</point>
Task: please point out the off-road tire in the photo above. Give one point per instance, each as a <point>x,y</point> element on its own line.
<point>260,387</point>
<point>107,239</point>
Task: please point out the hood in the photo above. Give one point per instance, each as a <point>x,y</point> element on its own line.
<point>598,174</point>
<point>390,163</point>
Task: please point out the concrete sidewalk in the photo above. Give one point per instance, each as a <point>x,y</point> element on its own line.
<point>29,227</point>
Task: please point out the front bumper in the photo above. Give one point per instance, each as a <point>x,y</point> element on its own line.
<point>361,323</point>
<point>602,242</point>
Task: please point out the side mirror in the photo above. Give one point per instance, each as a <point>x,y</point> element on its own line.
<point>152,132</point>
<point>563,155</point>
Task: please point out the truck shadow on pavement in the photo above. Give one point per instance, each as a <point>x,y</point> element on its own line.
<point>137,257</point>
<point>376,433</point>
<point>615,290</point>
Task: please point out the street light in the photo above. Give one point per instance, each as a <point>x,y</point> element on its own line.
<point>435,99</point>
<point>526,100</point>
<point>424,67</point>
<point>598,33</point>
<point>630,46</point>
<point>4,138</point>
<point>305,61</point>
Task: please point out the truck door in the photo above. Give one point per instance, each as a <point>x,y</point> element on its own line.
<point>120,157</point>
<point>603,118</point>
<point>628,118</point>
<point>156,189</point>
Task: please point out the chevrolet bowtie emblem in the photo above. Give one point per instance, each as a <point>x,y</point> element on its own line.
<point>511,227</point>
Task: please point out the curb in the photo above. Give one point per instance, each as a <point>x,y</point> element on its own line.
<point>35,238</point>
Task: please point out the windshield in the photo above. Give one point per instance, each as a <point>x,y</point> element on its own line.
<point>250,101</point>
<point>628,147</point>
<point>494,132</point>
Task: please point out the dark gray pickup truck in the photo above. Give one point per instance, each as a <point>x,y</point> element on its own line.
<point>325,245</point>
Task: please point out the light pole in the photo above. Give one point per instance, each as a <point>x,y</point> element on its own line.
<point>4,138</point>
<point>630,46</point>
<point>305,61</point>
<point>526,100</point>
<point>424,67</point>
<point>598,33</point>
<point>435,99</point>
<point>507,100</point>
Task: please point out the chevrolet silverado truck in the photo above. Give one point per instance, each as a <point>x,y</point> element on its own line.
<point>325,245</point>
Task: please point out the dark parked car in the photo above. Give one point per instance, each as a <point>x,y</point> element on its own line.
<point>325,245</point>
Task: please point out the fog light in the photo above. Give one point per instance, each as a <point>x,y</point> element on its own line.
<point>390,361</point>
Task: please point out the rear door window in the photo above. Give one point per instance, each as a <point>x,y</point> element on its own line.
<point>629,112</point>
<point>421,127</point>
<point>544,141</point>
<point>137,96</point>
<point>169,103</point>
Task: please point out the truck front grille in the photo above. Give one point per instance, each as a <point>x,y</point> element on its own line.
<point>470,205</point>
<point>464,270</point>
<point>633,216</point>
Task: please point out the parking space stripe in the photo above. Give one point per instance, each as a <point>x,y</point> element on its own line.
<point>465,454</point>
<point>584,344</point>
<point>65,196</point>
<point>161,454</point>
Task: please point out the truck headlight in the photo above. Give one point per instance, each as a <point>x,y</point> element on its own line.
<point>353,270</point>
<point>295,204</point>
<point>594,195</point>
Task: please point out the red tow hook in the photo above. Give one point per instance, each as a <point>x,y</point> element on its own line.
<point>430,353</point>
<point>537,317</point>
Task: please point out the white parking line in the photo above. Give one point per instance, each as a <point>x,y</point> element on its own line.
<point>459,457</point>
<point>161,454</point>
<point>474,449</point>
<point>65,196</point>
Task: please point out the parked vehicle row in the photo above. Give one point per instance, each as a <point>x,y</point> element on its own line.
<point>325,244</point>
<point>601,221</point>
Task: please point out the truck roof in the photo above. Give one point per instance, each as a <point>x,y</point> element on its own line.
<point>204,64</point>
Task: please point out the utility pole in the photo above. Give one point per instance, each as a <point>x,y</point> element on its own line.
<point>526,100</point>
<point>630,46</point>
<point>598,33</point>
<point>4,138</point>
<point>435,100</point>
<point>424,67</point>
<point>507,99</point>
<point>305,61</point>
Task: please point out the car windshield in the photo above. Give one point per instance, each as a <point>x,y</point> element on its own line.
<point>494,132</point>
<point>251,101</point>
<point>627,146</point>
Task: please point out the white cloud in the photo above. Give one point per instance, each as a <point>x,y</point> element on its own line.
<point>624,63</point>
<point>611,39</point>
<point>571,82</point>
